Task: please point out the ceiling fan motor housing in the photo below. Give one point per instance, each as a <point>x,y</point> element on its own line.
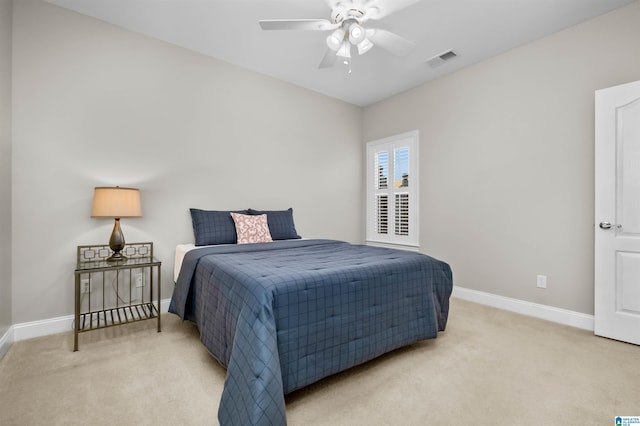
<point>342,14</point>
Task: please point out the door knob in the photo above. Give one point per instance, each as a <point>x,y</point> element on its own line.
<point>605,225</point>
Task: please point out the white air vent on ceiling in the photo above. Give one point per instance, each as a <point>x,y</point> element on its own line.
<point>442,58</point>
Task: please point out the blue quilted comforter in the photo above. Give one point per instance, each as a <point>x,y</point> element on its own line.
<point>285,314</point>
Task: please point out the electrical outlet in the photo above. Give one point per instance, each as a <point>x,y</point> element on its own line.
<point>541,281</point>
<point>139,281</point>
<point>85,285</point>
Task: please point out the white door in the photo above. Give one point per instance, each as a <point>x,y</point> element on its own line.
<point>617,213</point>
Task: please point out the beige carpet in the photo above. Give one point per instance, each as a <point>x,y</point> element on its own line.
<point>490,367</point>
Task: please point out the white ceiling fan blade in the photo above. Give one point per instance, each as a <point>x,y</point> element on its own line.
<point>378,9</point>
<point>329,59</point>
<point>390,42</point>
<point>297,24</point>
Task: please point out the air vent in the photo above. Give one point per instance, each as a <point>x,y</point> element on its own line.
<point>442,58</point>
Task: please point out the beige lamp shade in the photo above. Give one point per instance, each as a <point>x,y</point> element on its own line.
<point>116,202</point>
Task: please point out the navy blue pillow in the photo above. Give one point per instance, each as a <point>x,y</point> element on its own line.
<point>214,227</point>
<point>280,223</point>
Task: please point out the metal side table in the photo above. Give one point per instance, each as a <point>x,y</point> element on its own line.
<point>115,293</point>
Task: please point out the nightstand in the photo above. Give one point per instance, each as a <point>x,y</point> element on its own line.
<point>114,293</point>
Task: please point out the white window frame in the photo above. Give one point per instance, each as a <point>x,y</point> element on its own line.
<point>409,140</point>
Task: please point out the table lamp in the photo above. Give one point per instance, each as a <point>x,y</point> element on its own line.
<point>116,202</point>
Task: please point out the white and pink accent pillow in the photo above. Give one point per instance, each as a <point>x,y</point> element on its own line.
<point>251,229</point>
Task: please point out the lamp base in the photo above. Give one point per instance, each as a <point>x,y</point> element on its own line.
<point>116,257</point>
<point>116,243</point>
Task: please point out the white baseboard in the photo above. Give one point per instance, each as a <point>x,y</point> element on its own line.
<point>29,330</point>
<point>46,327</point>
<point>549,313</point>
<point>6,341</point>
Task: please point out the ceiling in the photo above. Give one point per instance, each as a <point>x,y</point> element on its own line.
<point>229,30</point>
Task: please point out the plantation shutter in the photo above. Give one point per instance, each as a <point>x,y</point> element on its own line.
<point>383,214</point>
<point>391,191</point>
<point>402,214</point>
<point>382,185</point>
<point>401,190</point>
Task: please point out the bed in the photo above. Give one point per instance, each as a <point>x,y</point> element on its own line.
<point>285,314</point>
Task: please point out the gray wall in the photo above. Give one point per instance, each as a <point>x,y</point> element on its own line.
<point>5,165</point>
<point>95,104</point>
<point>506,153</point>
<point>507,159</point>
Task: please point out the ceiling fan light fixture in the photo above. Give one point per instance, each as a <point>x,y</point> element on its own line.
<point>364,46</point>
<point>345,50</point>
<point>335,39</point>
<point>356,33</point>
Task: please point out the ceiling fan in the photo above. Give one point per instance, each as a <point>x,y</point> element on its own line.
<point>347,23</point>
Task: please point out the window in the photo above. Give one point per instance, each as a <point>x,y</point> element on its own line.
<point>392,190</point>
